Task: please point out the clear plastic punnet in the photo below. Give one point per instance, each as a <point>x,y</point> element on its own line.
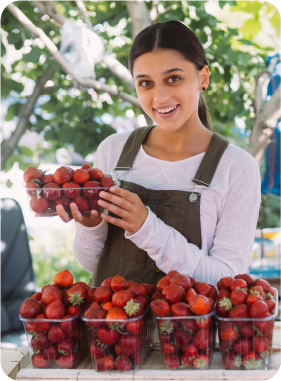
<point>120,345</point>
<point>187,342</point>
<point>56,343</point>
<point>246,343</point>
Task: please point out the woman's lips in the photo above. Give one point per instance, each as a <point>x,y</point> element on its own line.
<point>168,115</point>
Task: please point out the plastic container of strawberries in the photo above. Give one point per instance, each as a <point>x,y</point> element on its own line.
<point>187,342</point>
<point>43,201</point>
<point>130,350</point>
<point>247,343</point>
<point>61,342</point>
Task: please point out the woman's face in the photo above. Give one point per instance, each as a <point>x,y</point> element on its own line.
<point>166,81</point>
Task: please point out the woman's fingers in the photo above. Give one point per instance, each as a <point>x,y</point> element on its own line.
<point>121,212</point>
<point>62,213</point>
<point>117,200</point>
<point>129,196</point>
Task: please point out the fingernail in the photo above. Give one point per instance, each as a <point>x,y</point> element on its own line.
<point>59,208</point>
<point>72,206</point>
<point>100,202</point>
<point>102,194</point>
<point>112,189</point>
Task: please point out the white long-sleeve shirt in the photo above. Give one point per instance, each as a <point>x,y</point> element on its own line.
<point>229,211</point>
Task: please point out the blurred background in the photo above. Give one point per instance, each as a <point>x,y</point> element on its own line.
<point>66,87</point>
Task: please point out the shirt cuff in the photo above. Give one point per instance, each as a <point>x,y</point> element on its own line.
<point>86,229</point>
<point>130,236</point>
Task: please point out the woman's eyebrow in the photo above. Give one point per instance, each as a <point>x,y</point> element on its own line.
<point>164,73</point>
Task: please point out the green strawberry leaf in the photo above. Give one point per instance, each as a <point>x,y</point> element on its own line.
<point>131,307</point>
<point>200,363</point>
<point>237,361</point>
<point>62,352</point>
<point>265,353</point>
<point>167,326</point>
<point>226,303</point>
<point>253,364</point>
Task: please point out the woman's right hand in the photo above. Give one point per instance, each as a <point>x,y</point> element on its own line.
<point>90,219</point>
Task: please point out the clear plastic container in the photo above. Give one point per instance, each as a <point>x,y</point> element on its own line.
<point>130,340</point>
<point>43,201</point>
<point>56,343</point>
<point>247,343</point>
<point>187,342</point>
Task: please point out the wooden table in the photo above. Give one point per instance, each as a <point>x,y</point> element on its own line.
<point>153,368</point>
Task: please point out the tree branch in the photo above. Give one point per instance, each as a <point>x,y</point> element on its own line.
<point>26,110</point>
<point>139,15</point>
<point>87,82</point>
<point>49,8</point>
<point>84,13</point>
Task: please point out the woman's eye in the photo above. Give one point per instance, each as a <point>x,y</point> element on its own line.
<point>142,82</point>
<point>174,79</point>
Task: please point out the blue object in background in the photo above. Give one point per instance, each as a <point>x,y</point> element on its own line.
<point>272,176</point>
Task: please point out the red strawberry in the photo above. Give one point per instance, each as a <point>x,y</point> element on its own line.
<point>68,324</point>
<point>246,277</point>
<point>160,307</point>
<point>118,283</point>
<point>95,173</point>
<point>166,326</point>
<point>32,328</point>
<point>224,294</point>
<point>95,313</point>
<point>189,325</point>
<point>81,176</point>
<point>150,289</point>
<point>181,280</point>
<point>145,300</point>
<point>203,323</point>
<point>63,175</point>
<point>247,330</point>
<point>40,342</point>
<point>174,293</point>
<point>224,283</point>
<point>135,327</point>
<point>252,361</point>
<point>171,274</point>
<point>199,305</point>
<point>50,294</point>
<point>228,332</point>
<point>260,344</point>
<point>91,295</point>
<point>263,284</point>
<point>76,295</point>
<point>134,308</point>
<point>37,296</point>
<point>258,310</point>
<point>106,181</point>
<point>97,350</point>
<point>223,305</point>
<point>103,294</point>
<point>239,311</point>
<point>64,278</point>
<point>189,293</point>
<point>137,358</point>
<point>123,363</point>
<point>202,339</point>
<point>202,288</point>
<point>66,346</point>
<point>50,193</point>
<point>169,349</point>
<point>107,282</point>
<point>29,308</point>
<point>132,283</point>
<point>200,362</point>
<point>51,353</point>
<point>237,284</point>
<point>263,327</point>
<point>128,344</point>
<point>94,205</point>
<point>242,346</point>
<point>180,309</point>
<point>137,290</point>
<point>226,345</point>
<point>164,282</point>
<point>108,336</point>
<point>252,298</point>
<point>42,326</point>
<point>107,306</point>
<point>157,295</point>
<point>213,294</point>
<point>86,166</point>
<point>257,290</point>
<point>55,310</point>
<point>191,351</point>
<point>32,186</point>
<point>115,313</point>
<point>69,192</point>
<point>105,363</point>
<point>270,304</point>
<point>92,193</point>
<point>56,334</point>
<point>172,362</point>
<point>183,338</point>
<point>65,202</point>
<point>82,203</point>
<point>73,310</point>
<point>232,360</point>
<point>66,362</point>
<point>32,173</point>
<point>238,297</point>
<point>39,362</point>
<point>39,204</point>
<point>165,337</point>
<point>48,178</point>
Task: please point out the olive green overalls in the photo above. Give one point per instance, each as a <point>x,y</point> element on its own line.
<point>178,209</point>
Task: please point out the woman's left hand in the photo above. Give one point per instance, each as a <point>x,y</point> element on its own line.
<point>128,206</point>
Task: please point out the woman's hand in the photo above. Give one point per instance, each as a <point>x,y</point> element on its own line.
<point>128,206</point>
<point>90,219</point>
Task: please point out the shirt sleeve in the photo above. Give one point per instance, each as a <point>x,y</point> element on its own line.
<point>232,246</point>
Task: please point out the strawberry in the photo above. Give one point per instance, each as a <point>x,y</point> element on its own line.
<point>76,295</point>
<point>150,289</point>
<point>67,361</point>
<point>223,305</point>
<point>69,192</point>
<point>228,332</point>
<point>65,202</point>
<point>32,173</point>
<point>226,345</point>
<point>123,363</point>
<point>202,288</point>
<point>224,294</point>
<point>131,283</point>
<point>32,328</point>
<point>200,362</point>
<point>160,307</point>
<point>213,294</point>
<point>107,306</point>
<point>172,362</point>
<point>105,363</point>
<point>165,337</point>
<point>39,204</point>
<point>137,290</point>
<point>108,336</point>
<point>252,361</point>
<point>263,327</point>
<point>64,278</point>
<point>166,326</point>
<point>183,338</point>
<point>134,308</point>
<point>103,294</point>
<point>174,293</point>
<point>106,181</point>
<point>259,309</point>
<point>39,362</point>
<point>242,346</point>
<point>232,360</point>
<point>238,297</point>
<point>171,274</point>
<point>189,325</point>
<point>56,334</point>
<point>95,173</point>
<point>62,175</point>
<point>55,310</point>
<point>252,298</point>
<point>64,297</point>
<point>82,203</point>
<point>257,290</point>
<point>135,327</point>
<point>95,313</point>
<point>47,178</point>
<point>224,283</point>
<point>202,339</point>
<point>128,344</point>
<point>157,295</point>
<point>92,193</point>
<point>37,296</point>
<point>181,280</point>
<point>40,341</point>
<point>73,310</point>
<point>169,349</point>
<point>50,193</point>
<point>180,309</point>
<point>263,284</point>
<point>115,313</point>
<point>42,326</point>
<point>65,346</point>
<point>86,166</point>
<point>81,176</point>
<point>260,344</point>
<point>270,304</point>
<point>32,186</point>
<point>163,283</point>
<point>144,300</point>
<point>239,311</point>
<point>246,277</point>
<point>50,294</point>
<point>199,305</point>
<point>203,323</point>
<point>91,295</point>
<point>68,324</point>
<point>118,283</point>
<point>189,293</point>
<point>191,351</point>
<point>97,349</point>
<point>238,284</point>
<point>212,303</point>
<point>247,330</point>
<point>137,358</point>
<point>29,308</point>
<point>95,206</point>
<point>51,353</point>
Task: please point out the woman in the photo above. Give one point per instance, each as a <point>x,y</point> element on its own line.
<point>188,199</point>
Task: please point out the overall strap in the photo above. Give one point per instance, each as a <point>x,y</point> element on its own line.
<point>131,148</point>
<point>210,161</point>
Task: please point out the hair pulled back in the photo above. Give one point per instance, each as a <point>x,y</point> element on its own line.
<point>177,36</point>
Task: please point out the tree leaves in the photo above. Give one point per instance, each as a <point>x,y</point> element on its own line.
<point>33,55</point>
<point>13,110</point>
<point>251,27</point>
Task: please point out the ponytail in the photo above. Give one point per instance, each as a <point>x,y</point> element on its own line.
<point>203,113</point>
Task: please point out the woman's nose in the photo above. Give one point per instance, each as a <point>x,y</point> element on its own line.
<point>161,94</point>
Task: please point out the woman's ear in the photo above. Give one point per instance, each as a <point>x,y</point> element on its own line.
<point>204,77</point>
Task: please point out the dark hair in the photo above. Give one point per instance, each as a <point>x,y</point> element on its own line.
<point>177,36</point>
